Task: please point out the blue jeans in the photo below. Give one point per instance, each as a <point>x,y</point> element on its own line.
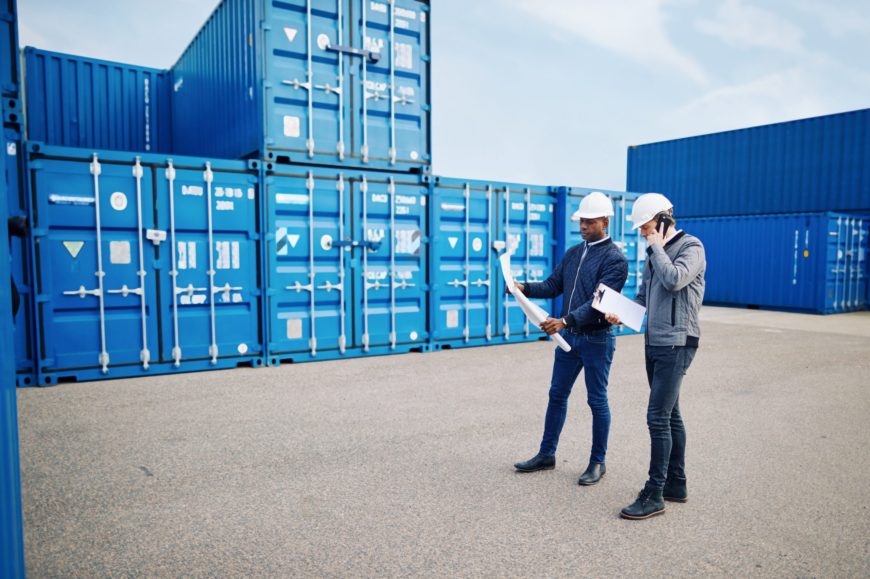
<point>594,353</point>
<point>665,368</point>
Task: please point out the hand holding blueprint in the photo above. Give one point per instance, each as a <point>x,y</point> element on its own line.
<point>610,301</point>
<point>534,312</point>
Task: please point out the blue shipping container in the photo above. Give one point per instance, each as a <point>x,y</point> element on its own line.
<point>11,529</point>
<point>813,262</point>
<point>346,263</point>
<point>10,78</point>
<point>473,223</point>
<point>331,82</point>
<point>74,101</point>
<point>817,164</point>
<point>143,264</point>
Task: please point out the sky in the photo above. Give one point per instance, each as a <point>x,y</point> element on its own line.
<point>553,92</point>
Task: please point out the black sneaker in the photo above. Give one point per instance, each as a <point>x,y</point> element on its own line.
<point>538,462</point>
<point>649,503</point>
<point>675,491</point>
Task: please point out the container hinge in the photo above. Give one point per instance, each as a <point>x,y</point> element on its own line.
<point>369,55</point>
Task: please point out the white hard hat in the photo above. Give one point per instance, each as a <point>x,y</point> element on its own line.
<point>647,206</point>
<point>594,205</point>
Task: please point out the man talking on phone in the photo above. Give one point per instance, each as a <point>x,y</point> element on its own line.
<point>672,291</point>
<point>576,277</point>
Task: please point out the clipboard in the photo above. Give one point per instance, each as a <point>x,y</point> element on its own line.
<point>609,301</point>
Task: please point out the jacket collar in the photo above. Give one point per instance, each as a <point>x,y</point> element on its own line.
<point>675,237</point>
<point>604,241</point>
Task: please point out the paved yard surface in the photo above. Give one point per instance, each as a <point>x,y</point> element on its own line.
<point>401,466</point>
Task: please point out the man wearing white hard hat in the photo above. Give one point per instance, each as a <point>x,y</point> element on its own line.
<point>672,291</point>
<point>576,277</point>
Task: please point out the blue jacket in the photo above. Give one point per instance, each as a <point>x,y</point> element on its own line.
<point>604,263</point>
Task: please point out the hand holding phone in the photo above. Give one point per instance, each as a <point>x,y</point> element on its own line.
<point>664,223</point>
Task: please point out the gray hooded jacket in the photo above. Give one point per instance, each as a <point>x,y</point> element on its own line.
<point>672,291</point>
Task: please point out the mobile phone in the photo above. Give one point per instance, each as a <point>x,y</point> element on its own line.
<point>664,223</point>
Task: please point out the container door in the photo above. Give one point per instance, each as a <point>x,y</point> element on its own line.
<point>390,282</point>
<point>463,216</point>
<point>308,263</point>
<point>95,266</point>
<point>306,63</point>
<point>846,288</point>
<point>210,310</point>
<point>391,91</point>
<point>526,222</point>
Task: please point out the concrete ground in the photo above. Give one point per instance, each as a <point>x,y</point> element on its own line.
<point>402,466</point>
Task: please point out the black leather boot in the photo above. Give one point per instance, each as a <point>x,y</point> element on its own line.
<point>675,490</point>
<point>649,503</point>
<point>538,462</point>
<point>593,474</point>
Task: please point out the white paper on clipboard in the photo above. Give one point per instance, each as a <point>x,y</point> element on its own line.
<point>534,312</point>
<point>610,301</point>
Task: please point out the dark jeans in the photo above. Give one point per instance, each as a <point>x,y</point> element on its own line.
<point>665,368</point>
<point>594,353</point>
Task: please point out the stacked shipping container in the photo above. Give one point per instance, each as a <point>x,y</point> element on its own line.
<point>11,531</point>
<point>330,241</point>
<point>776,184</point>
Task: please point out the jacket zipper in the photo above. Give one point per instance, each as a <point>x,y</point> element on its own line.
<point>673,310</point>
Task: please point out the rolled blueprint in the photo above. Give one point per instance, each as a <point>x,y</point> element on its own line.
<point>534,312</point>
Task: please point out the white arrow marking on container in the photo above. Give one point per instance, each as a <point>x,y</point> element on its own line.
<point>294,239</point>
<point>453,241</point>
<point>291,33</point>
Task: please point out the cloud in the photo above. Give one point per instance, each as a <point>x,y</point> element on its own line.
<point>742,25</point>
<point>634,29</point>
<point>780,96</point>
<point>839,19</point>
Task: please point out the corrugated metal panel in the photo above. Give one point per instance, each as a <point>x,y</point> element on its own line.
<point>9,75</point>
<point>469,306</point>
<point>631,242</point>
<point>346,263</point>
<point>143,265</point>
<point>11,530</point>
<point>332,82</point>
<point>817,164</point>
<point>811,262</point>
<point>75,101</point>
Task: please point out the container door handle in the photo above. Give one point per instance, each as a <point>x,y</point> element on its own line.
<point>372,57</point>
<point>367,244</point>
